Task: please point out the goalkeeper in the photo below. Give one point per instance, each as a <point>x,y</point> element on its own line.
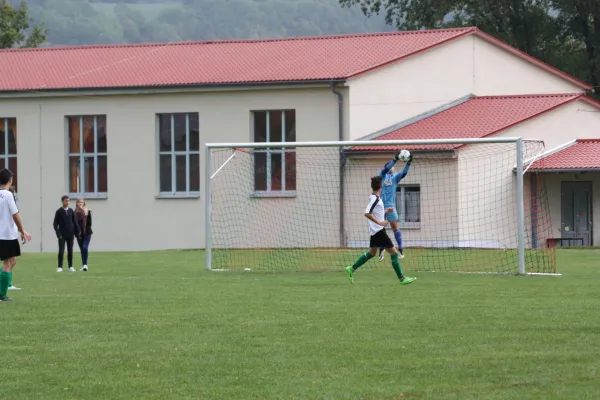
<point>388,196</point>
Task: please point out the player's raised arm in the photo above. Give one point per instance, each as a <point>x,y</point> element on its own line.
<point>400,175</point>
<point>389,165</point>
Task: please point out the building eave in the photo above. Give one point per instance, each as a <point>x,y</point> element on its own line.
<point>168,89</point>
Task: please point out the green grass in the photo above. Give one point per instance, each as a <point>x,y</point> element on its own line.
<point>157,326</point>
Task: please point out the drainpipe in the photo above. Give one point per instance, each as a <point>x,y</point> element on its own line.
<point>342,162</point>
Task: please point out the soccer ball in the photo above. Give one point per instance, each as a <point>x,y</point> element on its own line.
<point>404,155</point>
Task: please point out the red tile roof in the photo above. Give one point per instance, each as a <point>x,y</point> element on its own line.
<point>222,62</point>
<point>584,154</point>
<point>477,117</point>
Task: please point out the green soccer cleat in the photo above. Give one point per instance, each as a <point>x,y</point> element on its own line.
<point>407,280</point>
<point>350,273</point>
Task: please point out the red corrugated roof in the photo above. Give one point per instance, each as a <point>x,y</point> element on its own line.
<point>477,117</point>
<point>581,155</point>
<point>222,62</point>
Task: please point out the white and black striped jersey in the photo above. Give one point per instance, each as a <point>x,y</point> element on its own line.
<point>375,207</point>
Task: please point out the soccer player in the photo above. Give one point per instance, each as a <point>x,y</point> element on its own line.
<point>375,214</point>
<point>10,283</point>
<point>10,226</point>
<point>388,196</point>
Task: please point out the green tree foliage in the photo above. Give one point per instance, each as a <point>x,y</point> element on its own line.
<point>563,33</point>
<point>16,29</point>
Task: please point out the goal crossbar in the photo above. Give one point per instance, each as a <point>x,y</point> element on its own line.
<point>520,211</point>
<point>370,143</point>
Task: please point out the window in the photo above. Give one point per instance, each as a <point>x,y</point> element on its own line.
<point>408,201</point>
<point>274,169</point>
<point>8,146</point>
<point>179,154</point>
<point>87,169</point>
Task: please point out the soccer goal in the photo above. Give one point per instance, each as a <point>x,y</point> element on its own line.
<point>465,205</point>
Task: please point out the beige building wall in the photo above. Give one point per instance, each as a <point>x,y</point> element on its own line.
<point>553,183</point>
<point>439,196</point>
<point>132,217</point>
<point>420,83</point>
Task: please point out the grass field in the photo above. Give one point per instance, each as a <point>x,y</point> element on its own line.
<point>157,326</point>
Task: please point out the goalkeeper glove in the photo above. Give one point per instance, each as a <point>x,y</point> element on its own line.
<point>409,159</point>
<point>397,156</point>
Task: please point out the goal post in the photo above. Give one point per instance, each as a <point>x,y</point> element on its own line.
<point>299,205</point>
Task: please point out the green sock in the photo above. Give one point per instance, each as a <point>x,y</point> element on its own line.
<point>4,283</point>
<point>361,260</point>
<point>10,279</point>
<point>396,265</point>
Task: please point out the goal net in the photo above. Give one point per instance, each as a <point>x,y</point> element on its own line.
<point>302,208</point>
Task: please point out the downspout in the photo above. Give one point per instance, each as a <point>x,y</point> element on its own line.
<point>342,162</point>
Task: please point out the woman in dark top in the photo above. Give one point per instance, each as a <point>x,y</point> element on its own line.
<point>84,220</point>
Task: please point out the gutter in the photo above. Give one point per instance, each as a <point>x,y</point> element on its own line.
<point>181,88</point>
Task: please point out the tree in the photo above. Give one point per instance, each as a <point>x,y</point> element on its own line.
<point>525,24</point>
<point>15,27</point>
<point>580,23</point>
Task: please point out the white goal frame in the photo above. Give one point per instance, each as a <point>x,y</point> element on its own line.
<point>518,141</point>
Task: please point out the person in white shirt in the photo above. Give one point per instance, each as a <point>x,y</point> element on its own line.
<point>10,226</point>
<point>375,213</point>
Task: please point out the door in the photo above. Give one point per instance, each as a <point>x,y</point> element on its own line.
<point>576,213</point>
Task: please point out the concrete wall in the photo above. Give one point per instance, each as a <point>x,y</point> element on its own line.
<point>470,65</point>
<point>132,217</point>
<point>553,183</point>
<point>437,181</point>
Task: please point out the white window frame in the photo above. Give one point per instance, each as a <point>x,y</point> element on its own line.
<point>6,155</point>
<point>270,192</point>
<point>173,193</point>
<point>401,202</point>
<point>82,155</point>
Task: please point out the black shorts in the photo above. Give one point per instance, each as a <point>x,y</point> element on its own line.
<point>9,249</point>
<point>381,239</point>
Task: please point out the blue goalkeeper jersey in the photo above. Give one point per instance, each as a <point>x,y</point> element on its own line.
<point>390,183</point>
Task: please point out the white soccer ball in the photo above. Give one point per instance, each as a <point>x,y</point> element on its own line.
<point>404,155</point>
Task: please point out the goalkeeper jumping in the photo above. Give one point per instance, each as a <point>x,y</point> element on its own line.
<point>388,195</point>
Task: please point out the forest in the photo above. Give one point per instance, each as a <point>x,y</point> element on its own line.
<point>76,22</point>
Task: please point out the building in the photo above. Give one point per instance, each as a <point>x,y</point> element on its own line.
<point>125,126</point>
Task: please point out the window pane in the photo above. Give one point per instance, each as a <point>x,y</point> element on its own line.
<point>194,132</point>
<point>101,135</point>
<point>260,127</point>
<point>180,174</point>
<point>12,165</point>
<point>2,164</point>
<point>2,136</point>
<point>412,204</point>
<point>164,132</point>
<point>12,136</point>
<point>276,171</point>
<point>74,135</point>
<point>290,171</point>
<point>180,132</point>
<point>260,171</point>
<point>74,174</point>
<point>165,173</point>
<point>290,126</point>
<point>275,126</point>
<point>89,179</point>
<point>88,134</point>
<point>102,175</point>
<point>194,173</point>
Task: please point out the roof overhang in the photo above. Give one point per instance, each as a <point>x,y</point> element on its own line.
<point>170,89</point>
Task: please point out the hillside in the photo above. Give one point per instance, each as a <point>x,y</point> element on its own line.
<point>73,22</point>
